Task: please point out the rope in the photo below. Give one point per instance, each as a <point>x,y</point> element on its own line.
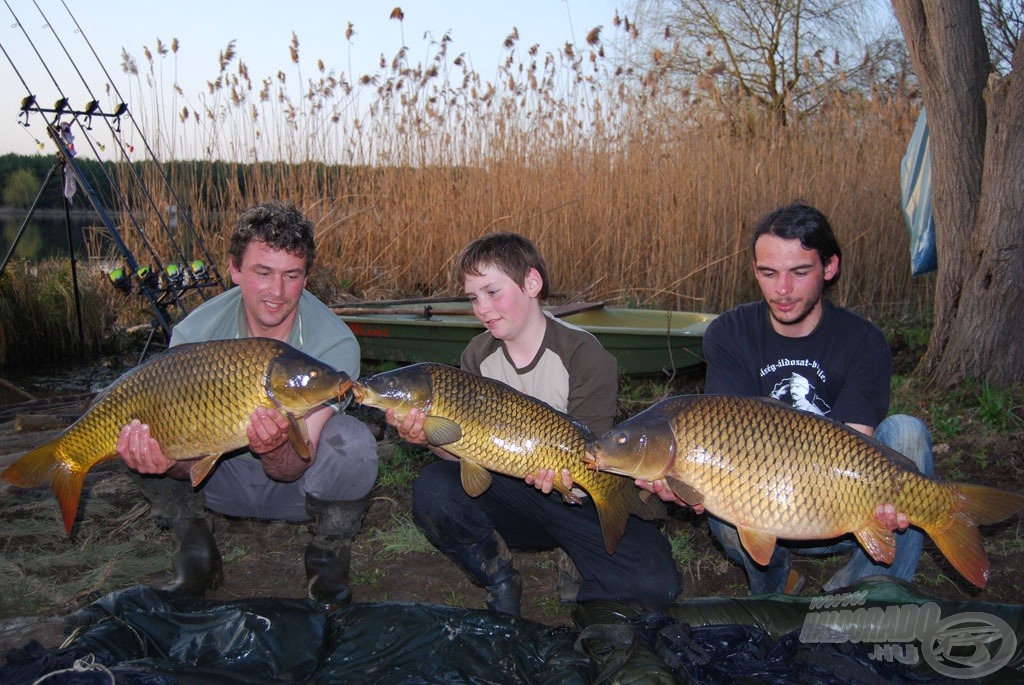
<point>86,664</point>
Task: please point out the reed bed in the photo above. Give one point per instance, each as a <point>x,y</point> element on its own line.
<point>638,192</point>
<point>39,315</point>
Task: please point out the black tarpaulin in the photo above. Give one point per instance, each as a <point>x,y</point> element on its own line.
<point>141,636</point>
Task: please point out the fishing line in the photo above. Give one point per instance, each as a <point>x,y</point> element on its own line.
<point>25,101</point>
<point>188,219</point>
<point>60,133</point>
<point>113,184</point>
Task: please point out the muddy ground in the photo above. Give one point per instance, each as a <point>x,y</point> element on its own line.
<point>264,559</point>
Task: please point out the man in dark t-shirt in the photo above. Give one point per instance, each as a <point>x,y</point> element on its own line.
<point>799,348</point>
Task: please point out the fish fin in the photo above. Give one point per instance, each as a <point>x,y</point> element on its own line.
<point>961,544</point>
<point>67,485</point>
<point>760,545</point>
<point>202,468</point>
<point>298,436</point>
<point>644,504</point>
<point>441,431</point>
<point>685,491</point>
<point>878,541</point>
<point>568,496</point>
<point>33,469</point>
<point>959,539</point>
<point>613,513</point>
<point>982,505</point>
<point>475,478</point>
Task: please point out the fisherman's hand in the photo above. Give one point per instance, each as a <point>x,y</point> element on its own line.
<point>890,518</point>
<point>268,440</point>
<point>545,480</point>
<point>267,430</point>
<point>410,428</point>
<point>140,451</point>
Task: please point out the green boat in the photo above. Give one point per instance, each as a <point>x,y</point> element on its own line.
<point>645,341</point>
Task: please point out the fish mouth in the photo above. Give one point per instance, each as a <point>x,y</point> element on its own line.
<point>591,459</point>
<point>344,386</point>
<point>358,391</point>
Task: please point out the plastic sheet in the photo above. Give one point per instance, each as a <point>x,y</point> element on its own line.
<point>142,636</point>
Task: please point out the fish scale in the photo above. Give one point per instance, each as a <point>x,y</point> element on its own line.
<point>491,426</point>
<point>196,400</point>
<point>775,471</point>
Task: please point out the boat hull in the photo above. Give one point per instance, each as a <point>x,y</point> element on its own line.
<point>644,341</point>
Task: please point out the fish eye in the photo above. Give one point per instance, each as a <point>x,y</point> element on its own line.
<point>314,374</point>
<point>621,439</point>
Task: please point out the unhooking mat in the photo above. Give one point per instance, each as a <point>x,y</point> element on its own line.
<point>878,632</point>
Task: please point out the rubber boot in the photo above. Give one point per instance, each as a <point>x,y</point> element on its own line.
<point>196,562</point>
<point>328,557</point>
<point>489,565</point>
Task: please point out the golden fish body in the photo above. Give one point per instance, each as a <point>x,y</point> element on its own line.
<point>774,471</point>
<point>196,399</point>
<point>493,427</point>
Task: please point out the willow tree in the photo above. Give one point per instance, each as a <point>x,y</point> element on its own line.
<point>976,130</point>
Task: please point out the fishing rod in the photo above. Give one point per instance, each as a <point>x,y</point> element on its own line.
<point>60,134</point>
<point>93,107</point>
<point>187,216</point>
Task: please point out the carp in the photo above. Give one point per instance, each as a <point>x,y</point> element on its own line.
<point>777,472</point>
<point>197,399</point>
<point>491,426</point>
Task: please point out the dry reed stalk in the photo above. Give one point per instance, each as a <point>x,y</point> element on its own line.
<point>635,193</point>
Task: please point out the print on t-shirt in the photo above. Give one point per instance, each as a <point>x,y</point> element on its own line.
<point>799,392</point>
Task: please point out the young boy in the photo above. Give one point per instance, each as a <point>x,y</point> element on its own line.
<point>505,277</point>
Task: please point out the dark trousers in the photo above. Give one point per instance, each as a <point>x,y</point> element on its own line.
<point>641,570</point>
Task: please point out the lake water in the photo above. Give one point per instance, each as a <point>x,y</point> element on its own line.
<point>45,235</point>
<point>64,378</point>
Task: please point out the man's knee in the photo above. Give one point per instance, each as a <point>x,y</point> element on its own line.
<point>346,461</point>
<point>909,436</point>
<point>434,486</point>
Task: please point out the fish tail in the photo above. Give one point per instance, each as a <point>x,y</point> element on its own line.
<point>982,505</point>
<point>33,469</point>
<point>67,485</point>
<point>958,538</point>
<point>614,505</point>
<point>41,466</point>
<point>613,513</point>
<point>960,543</point>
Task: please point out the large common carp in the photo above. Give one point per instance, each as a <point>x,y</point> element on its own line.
<point>774,471</point>
<point>492,426</point>
<point>196,398</point>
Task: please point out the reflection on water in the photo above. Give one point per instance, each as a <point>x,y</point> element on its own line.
<point>45,235</point>
<point>64,378</point>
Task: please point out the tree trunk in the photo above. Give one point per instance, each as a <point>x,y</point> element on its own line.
<point>976,131</point>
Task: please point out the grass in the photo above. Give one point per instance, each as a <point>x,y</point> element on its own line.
<point>40,567</point>
<point>402,536</point>
<point>998,408</point>
<point>399,464</point>
<point>38,313</point>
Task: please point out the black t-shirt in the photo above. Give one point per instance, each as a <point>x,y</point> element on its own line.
<point>841,369</point>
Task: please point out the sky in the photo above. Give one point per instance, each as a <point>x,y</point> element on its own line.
<point>51,65</point>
